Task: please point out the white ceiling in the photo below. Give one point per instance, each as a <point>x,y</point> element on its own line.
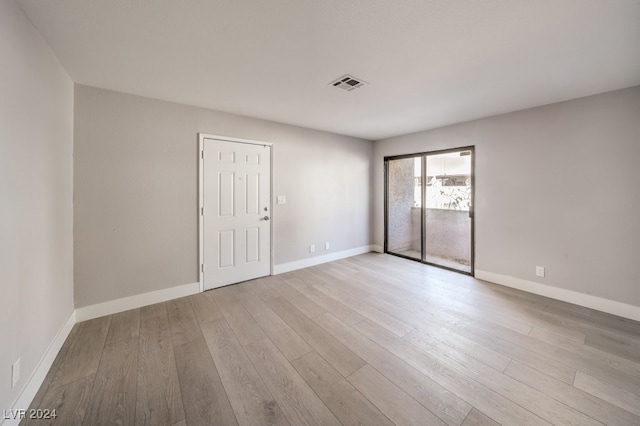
<point>428,63</point>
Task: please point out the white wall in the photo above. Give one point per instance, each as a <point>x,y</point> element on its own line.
<point>36,178</point>
<point>557,186</point>
<point>136,177</point>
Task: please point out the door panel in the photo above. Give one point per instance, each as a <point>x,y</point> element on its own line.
<point>226,243</point>
<point>237,210</point>
<point>253,193</point>
<point>252,237</point>
<point>226,192</point>
<point>252,159</point>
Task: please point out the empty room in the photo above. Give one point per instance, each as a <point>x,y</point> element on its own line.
<point>314,212</point>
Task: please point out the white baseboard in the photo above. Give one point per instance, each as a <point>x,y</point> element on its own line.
<point>34,382</point>
<point>317,260</point>
<point>132,302</point>
<point>598,303</point>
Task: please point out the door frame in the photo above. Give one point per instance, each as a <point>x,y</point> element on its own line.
<point>472,214</point>
<point>201,138</point>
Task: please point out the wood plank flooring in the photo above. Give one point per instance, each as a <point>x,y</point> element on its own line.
<point>371,340</point>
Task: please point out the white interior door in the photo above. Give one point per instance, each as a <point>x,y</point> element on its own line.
<point>237,211</point>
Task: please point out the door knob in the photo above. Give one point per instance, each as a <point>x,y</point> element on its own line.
<point>265,218</point>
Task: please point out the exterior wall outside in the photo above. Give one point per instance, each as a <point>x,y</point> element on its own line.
<point>448,234</point>
<point>403,233</point>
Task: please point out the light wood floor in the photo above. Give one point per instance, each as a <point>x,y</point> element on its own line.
<point>373,339</point>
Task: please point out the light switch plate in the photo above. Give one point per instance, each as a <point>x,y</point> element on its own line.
<point>281,199</point>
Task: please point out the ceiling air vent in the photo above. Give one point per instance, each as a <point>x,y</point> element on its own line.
<point>347,82</point>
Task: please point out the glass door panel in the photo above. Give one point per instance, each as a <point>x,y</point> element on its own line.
<point>447,219</point>
<point>404,195</point>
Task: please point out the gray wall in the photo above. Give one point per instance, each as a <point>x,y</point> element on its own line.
<point>36,177</point>
<point>556,186</point>
<point>136,176</point>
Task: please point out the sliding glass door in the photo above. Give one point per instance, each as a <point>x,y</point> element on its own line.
<point>429,208</point>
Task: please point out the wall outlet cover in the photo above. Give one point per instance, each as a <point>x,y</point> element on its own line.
<point>540,271</point>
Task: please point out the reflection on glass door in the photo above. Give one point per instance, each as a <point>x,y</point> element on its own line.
<point>429,208</point>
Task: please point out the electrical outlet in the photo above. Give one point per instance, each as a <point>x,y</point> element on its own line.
<point>312,248</point>
<point>15,373</point>
<point>540,271</point>
<point>327,245</point>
